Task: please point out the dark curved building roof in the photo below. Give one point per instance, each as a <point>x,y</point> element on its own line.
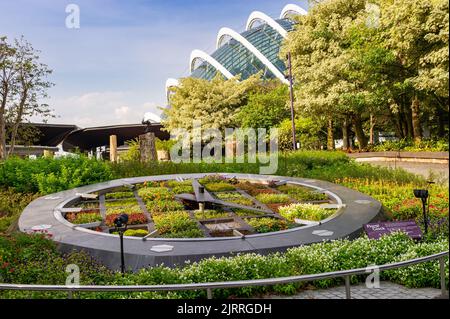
<point>92,137</point>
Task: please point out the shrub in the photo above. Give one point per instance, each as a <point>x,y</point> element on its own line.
<point>149,194</point>
<point>409,145</point>
<point>267,224</point>
<point>121,202</point>
<point>273,198</point>
<point>33,259</point>
<point>219,187</point>
<point>305,211</point>
<point>210,214</point>
<point>11,205</point>
<point>84,217</point>
<point>133,219</point>
<point>183,189</point>
<point>174,223</point>
<point>136,232</point>
<point>46,175</point>
<point>234,197</point>
<point>162,206</point>
<point>135,209</point>
<point>246,212</point>
<point>119,195</point>
<point>302,193</point>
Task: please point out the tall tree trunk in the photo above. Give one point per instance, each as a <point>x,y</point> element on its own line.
<point>442,122</point>
<point>362,139</point>
<point>372,125</point>
<point>408,123</point>
<point>3,152</point>
<point>397,121</point>
<point>17,121</point>
<point>415,117</point>
<point>345,145</point>
<point>330,136</point>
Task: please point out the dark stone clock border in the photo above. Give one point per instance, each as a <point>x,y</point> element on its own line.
<point>357,209</point>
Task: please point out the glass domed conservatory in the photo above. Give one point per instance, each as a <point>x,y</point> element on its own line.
<point>247,53</point>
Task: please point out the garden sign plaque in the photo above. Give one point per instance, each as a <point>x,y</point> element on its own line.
<point>376,230</point>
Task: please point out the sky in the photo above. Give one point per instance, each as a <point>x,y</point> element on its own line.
<point>114,67</point>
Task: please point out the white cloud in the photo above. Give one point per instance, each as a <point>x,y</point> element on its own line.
<point>100,108</point>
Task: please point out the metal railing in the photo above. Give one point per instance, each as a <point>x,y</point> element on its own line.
<point>346,274</point>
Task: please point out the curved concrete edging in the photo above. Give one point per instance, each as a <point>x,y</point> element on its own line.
<point>402,156</point>
<point>358,209</point>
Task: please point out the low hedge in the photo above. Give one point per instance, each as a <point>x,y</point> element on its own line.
<point>31,259</point>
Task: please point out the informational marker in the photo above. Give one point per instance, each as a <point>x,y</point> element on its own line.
<point>376,230</point>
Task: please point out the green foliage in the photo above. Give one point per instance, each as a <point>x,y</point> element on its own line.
<point>219,187</point>
<point>136,232</point>
<point>121,202</point>
<point>133,153</point>
<point>149,194</point>
<point>399,202</point>
<point>32,259</point>
<point>215,103</point>
<point>210,214</point>
<point>119,195</point>
<point>302,193</point>
<point>123,210</point>
<point>234,197</point>
<point>305,211</point>
<point>176,224</point>
<point>411,146</point>
<point>11,205</point>
<point>267,224</point>
<point>273,198</point>
<point>265,109</point>
<point>84,217</point>
<point>308,133</point>
<point>46,175</point>
<point>164,145</point>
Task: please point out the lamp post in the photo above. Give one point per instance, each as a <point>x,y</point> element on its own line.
<point>291,94</point>
<point>423,195</point>
<point>121,226</point>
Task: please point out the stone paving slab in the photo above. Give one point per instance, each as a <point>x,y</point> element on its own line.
<point>387,290</point>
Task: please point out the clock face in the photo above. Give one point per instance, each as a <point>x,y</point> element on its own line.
<point>212,206</point>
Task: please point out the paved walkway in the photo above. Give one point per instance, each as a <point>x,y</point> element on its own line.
<point>387,290</point>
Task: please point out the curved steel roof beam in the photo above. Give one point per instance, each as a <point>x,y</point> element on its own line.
<point>289,8</point>
<point>198,54</point>
<point>229,32</point>
<point>260,16</point>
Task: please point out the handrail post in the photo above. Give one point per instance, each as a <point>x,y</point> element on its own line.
<point>69,294</point>
<point>347,287</point>
<point>209,293</point>
<point>442,275</point>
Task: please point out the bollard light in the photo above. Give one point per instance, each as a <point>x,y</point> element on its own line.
<point>121,226</point>
<point>423,195</point>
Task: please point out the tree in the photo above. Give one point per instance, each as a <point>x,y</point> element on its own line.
<point>417,32</point>
<point>309,133</point>
<point>7,81</point>
<point>265,109</point>
<point>24,83</point>
<point>326,87</point>
<point>386,65</point>
<point>215,103</point>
